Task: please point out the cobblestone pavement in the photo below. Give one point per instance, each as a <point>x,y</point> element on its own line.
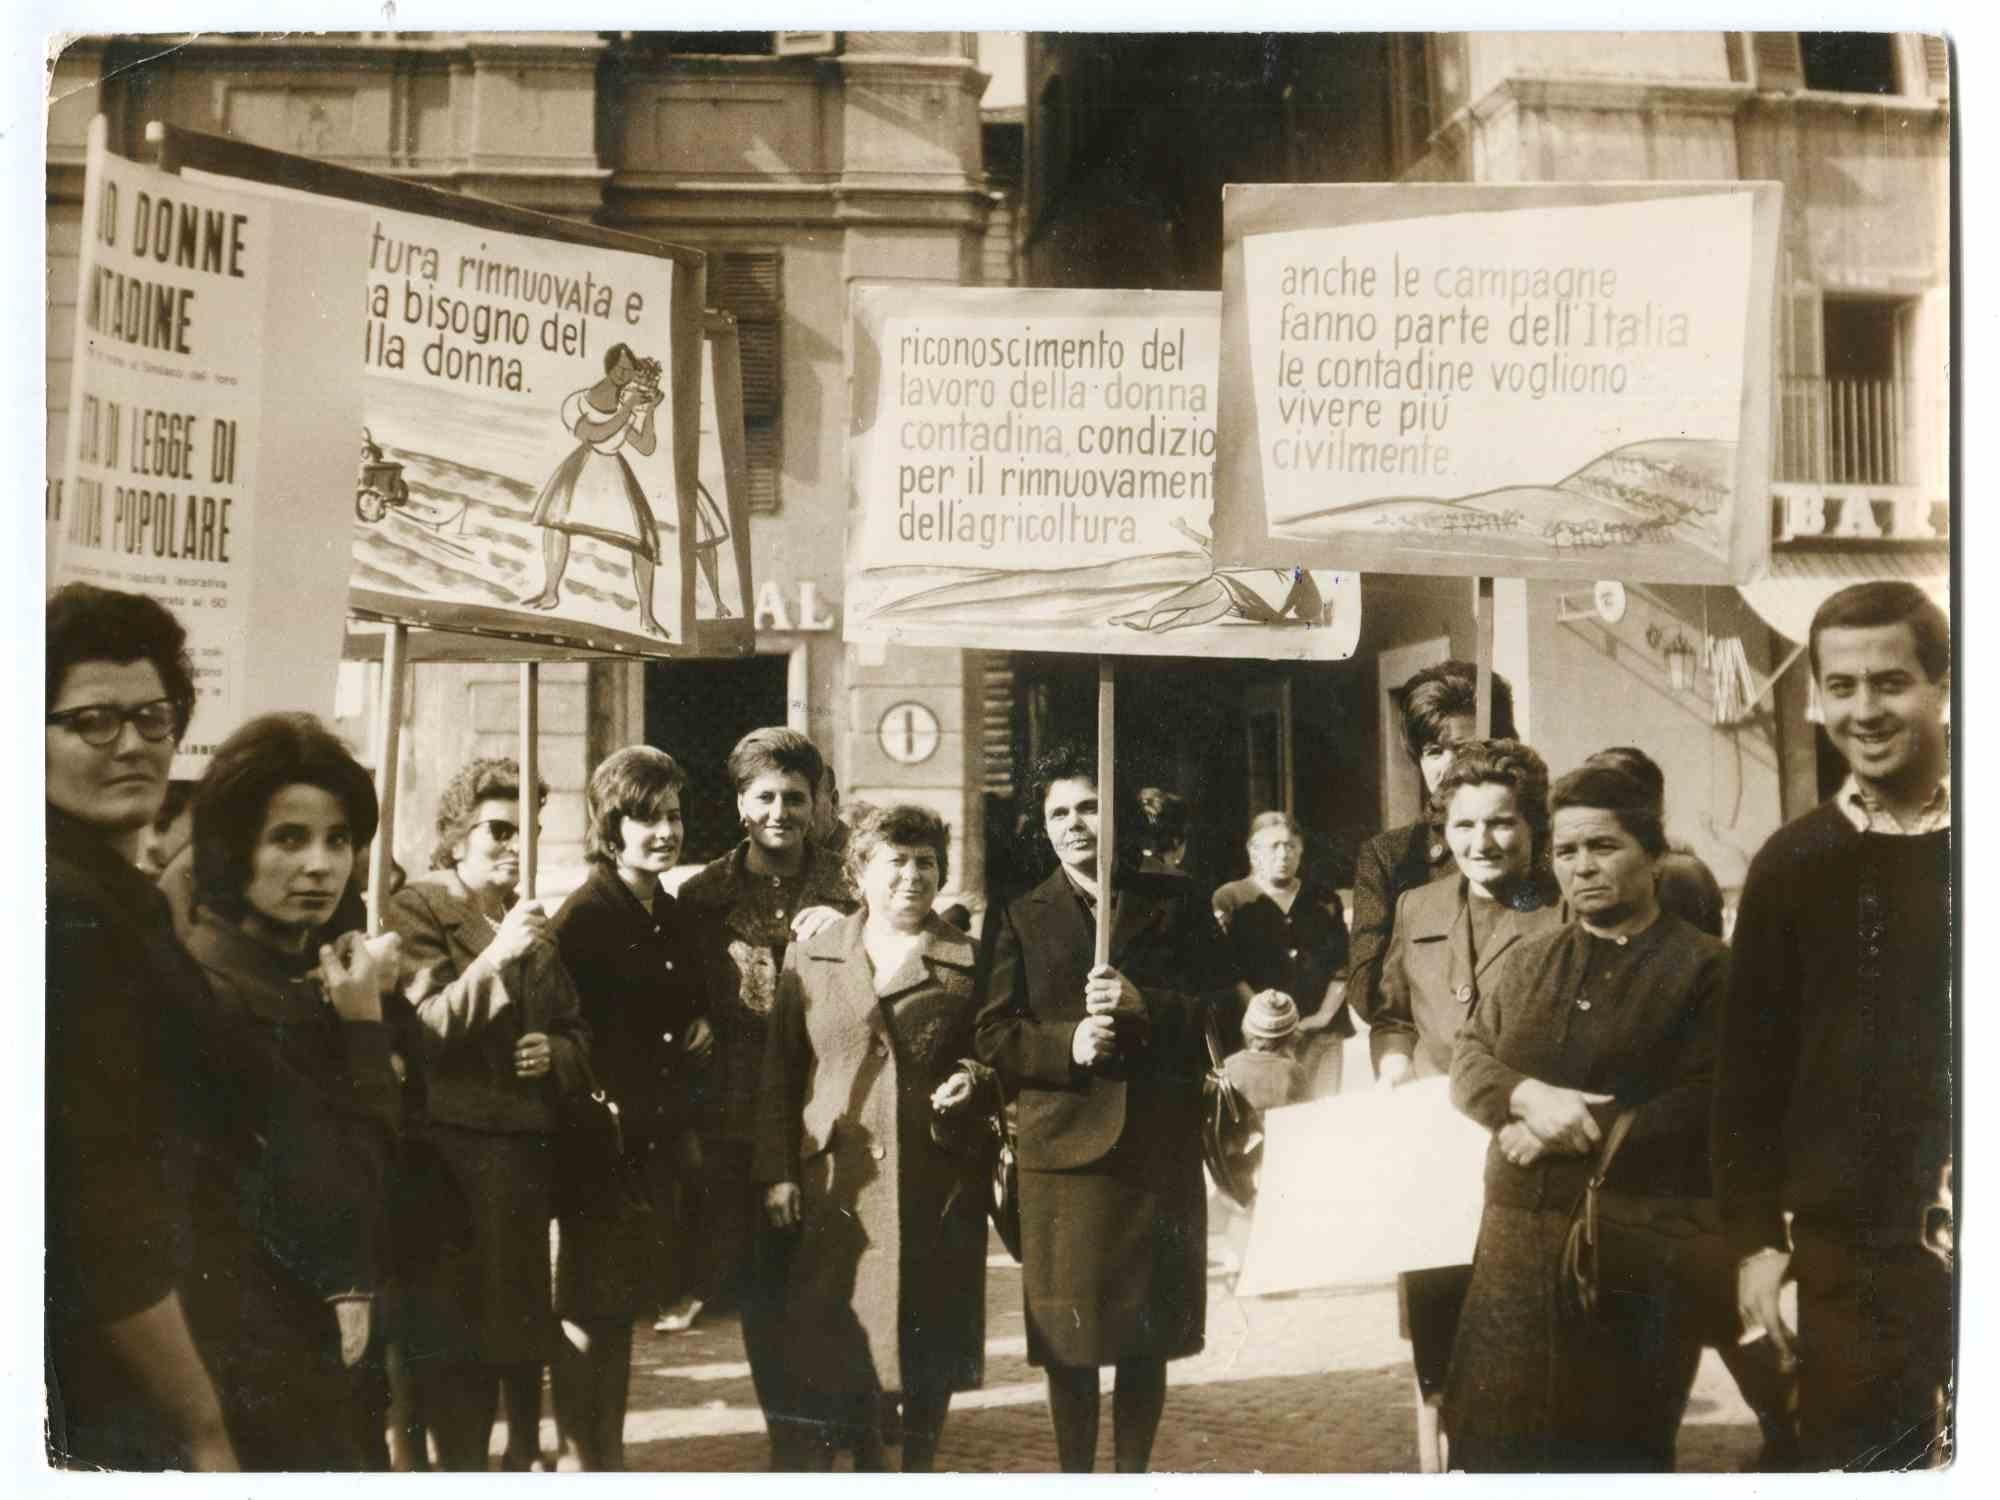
<point>1310,1383</point>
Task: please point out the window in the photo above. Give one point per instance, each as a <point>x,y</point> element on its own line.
<point>1413,113</point>
<point>1866,400</point>
<point>1848,62</point>
<point>749,284</point>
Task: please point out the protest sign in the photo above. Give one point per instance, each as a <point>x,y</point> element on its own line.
<point>1404,1194</point>
<point>212,406</point>
<point>528,447</point>
<point>722,513</point>
<point>1034,470</point>
<point>1536,380</point>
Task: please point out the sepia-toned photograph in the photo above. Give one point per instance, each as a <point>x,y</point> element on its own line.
<point>1035,752</point>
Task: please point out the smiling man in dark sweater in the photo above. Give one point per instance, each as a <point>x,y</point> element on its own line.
<point>1834,1086</point>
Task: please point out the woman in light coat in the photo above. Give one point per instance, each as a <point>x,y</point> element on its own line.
<point>874,1017</point>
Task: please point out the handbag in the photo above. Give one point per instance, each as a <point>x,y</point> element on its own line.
<point>589,1145</point>
<point>1623,1246</point>
<point>1232,1138</point>
<point>1004,1204</point>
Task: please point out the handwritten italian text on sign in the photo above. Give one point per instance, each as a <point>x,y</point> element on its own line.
<point>1034,470</point>
<point>205,448</point>
<point>1556,381</point>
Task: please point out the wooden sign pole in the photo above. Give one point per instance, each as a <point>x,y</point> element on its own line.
<point>1482,608</point>
<point>531,807</point>
<point>1107,799</point>
<point>388,752</point>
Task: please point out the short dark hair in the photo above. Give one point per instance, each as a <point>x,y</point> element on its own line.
<point>261,759</point>
<point>87,623</point>
<point>776,748</point>
<point>1076,760</point>
<point>631,783</point>
<point>491,778</point>
<point>898,823</point>
<point>1446,691</point>
<point>1637,764</point>
<point>1624,796</point>
<point>1507,763</point>
<point>1889,601</point>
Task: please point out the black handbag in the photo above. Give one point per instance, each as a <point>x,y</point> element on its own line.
<point>1232,1135</point>
<point>1623,1246</point>
<point>1004,1207</point>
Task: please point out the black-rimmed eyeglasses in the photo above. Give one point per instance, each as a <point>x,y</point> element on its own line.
<point>100,724</point>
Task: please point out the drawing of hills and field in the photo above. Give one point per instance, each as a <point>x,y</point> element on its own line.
<point>445,539</point>
<point>1663,495</point>
<point>1167,604</point>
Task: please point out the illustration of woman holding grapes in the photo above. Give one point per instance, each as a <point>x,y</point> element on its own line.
<point>594,492</point>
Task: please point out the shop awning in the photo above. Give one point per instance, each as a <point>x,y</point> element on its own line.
<point>1800,581</point>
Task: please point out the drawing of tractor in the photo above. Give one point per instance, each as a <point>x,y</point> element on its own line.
<point>379,484</point>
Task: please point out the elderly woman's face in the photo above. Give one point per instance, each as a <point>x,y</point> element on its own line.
<point>1605,873</point>
<point>1488,836</point>
<point>301,862</point>
<point>777,809</point>
<point>899,883</point>
<point>488,858</point>
<point>1275,854</point>
<point>1436,758</point>
<point>117,788</point>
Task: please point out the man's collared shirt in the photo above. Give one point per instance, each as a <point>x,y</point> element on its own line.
<point>1868,814</point>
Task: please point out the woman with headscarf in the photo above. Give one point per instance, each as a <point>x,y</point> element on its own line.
<point>303,1103</point>
<point>886,1296</point>
<point>1107,1065</point>
<point>127,1386</point>
<point>500,1042</point>
<point>1613,1012</point>
<point>637,964</point>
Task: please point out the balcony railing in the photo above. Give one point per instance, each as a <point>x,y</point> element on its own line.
<point>1833,431</point>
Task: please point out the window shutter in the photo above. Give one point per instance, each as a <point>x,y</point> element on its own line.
<point>1937,66</point>
<point>749,284</point>
<point>1779,63</point>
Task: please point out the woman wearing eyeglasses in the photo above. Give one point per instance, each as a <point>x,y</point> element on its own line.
<point>498,1040</point>
<point>127,1387</point>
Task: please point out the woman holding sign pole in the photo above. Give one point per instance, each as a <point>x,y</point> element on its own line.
<point>1106,1064</point>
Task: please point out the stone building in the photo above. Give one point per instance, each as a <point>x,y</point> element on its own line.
<point>802,162</point>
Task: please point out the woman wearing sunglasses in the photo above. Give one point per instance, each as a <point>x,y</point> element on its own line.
<point>127,1388</point>
<point>498,1040</point>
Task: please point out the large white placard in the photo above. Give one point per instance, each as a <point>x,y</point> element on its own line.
<point>1359,1187</point>
<point>213,411</point>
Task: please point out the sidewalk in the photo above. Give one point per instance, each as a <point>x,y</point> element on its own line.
<point>1311,1383</point>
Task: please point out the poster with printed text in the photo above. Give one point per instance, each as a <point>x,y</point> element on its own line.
<point>1546,380</point>
<point>206,459</point>
<point>722,511</point>
<point>526,462</point>
<point>1035,470</point>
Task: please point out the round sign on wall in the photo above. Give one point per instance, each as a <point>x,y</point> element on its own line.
<point>908,732</point>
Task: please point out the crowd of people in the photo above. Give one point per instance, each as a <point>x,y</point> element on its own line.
<point>325,1200</point>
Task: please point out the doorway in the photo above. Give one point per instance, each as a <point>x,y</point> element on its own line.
<point>696,711</point>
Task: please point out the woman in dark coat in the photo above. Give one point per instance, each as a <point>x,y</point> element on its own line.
<point>638,972</point>
<point>127,1388</point>
<point>1437,706</point>
<point>1616,1010</point>
<point>888,1285</point>
<point>497,1035</point>
<point>1107,1064</point>
<point>303,1102</point>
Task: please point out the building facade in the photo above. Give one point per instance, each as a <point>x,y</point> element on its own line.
<point>802,163</point>
<point>1130,140</point>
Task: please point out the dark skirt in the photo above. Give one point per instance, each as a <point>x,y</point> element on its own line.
<point>1535,1390</point>
<point>612,1246</point>
<point>485,1297</point>
<point>1114,1256</point>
